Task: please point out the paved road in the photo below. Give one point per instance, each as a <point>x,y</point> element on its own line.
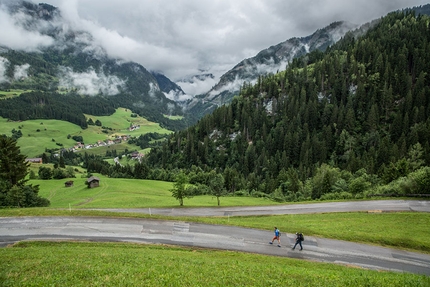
<point>221,237</point>
<point>371,205</point>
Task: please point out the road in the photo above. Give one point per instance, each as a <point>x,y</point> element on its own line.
<point>13,229</point>
<point>371,205</point>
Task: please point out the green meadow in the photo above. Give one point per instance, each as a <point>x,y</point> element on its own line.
<point>11,93</point>
<point>127,193</point>
<point>119,264</point>
<point>121,120</point>
<point>39,135</point>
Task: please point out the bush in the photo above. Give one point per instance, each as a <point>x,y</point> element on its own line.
<point>337,195</point>
<point>241,193</point>
<point>420,181</point>
<point>256,193</point>
<point>278,196</point>
<point>393,188</point>
<point>358,185</point>
<point>58,173</point>
<point>78,139</point>
<point>45,172</point>
<point>198,189</point>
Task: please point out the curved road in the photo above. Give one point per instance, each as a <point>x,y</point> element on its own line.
<point>15,229</point>
<point>370,205</point>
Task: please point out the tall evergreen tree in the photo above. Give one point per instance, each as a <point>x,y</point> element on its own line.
<point>13,170</point>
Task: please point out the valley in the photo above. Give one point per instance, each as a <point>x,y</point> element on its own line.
<point>40,135</point>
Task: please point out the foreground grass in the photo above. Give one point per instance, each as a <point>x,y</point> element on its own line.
<point>117,264</point>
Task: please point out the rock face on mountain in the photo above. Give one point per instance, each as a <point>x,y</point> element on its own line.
<point>270,60</point>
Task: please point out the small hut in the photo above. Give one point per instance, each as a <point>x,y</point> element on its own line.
<point>93,182</point>
<point>69,183</point>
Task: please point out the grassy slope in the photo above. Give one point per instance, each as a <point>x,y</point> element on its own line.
<point>127,193</point>
<point>11,93</point>
<point>118,264</point>
<point>120,122</point>
<point>33,143</point>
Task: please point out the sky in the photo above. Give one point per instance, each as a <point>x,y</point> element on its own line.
<point>181,38</point>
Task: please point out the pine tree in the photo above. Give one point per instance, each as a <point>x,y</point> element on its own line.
<point>13,170</point>
<point>13,167</point>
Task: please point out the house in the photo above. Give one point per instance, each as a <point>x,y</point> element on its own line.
<point>68,183</point>
<point>135,154</point>
<point>34,160</point>
<point>93,182</point>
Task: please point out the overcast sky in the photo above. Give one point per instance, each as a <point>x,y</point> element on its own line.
<point>181,37</point>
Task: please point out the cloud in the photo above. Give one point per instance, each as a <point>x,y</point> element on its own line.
<point>14,36</point>
<point>90,82</point>
<point>183,37</point>
<point>177,96</point>
<point>21,72</point>
<point>196,85</point>
<point>3,66</point>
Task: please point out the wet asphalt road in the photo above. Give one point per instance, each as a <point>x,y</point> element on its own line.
<point>374,206</point>
<point>13,229</point>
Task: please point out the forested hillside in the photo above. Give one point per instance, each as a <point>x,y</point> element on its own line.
<point>344,121</point>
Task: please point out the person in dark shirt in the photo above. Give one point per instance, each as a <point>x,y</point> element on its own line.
<point>299,240</point>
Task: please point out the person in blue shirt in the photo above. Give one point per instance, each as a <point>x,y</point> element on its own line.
<point>277,236</point>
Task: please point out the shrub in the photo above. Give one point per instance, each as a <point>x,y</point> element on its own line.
<point>241,192</point>
<point>256,193</point>
<point>337,195</point>
<point>278,196</point>
<point>420,181</point>
<point>198,189</point>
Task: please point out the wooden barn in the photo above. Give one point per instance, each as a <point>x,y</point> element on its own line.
<point>93,182</point>
<point>68,183</point>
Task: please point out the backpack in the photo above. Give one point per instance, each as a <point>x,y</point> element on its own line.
<point>302,238</point>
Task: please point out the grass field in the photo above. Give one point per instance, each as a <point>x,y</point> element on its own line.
<point>11,93</point>
<point>127,193</point>
<point>121,120</point>
<point>117,264</point>
<point>37,135</point>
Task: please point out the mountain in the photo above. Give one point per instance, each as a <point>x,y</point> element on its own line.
<point>270,60</point>
<point>172,90</point>
<point>70,62</point>
<point>344,123</point>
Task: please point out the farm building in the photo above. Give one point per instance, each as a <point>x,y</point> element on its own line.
<point>93,182</point>
<point>34,160</point>
<point>68,183</point>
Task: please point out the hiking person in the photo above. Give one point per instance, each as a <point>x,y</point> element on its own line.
<point>299,239</point>
<point>277,236</point>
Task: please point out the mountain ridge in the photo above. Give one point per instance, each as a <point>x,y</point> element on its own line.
<point>269,60</point>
